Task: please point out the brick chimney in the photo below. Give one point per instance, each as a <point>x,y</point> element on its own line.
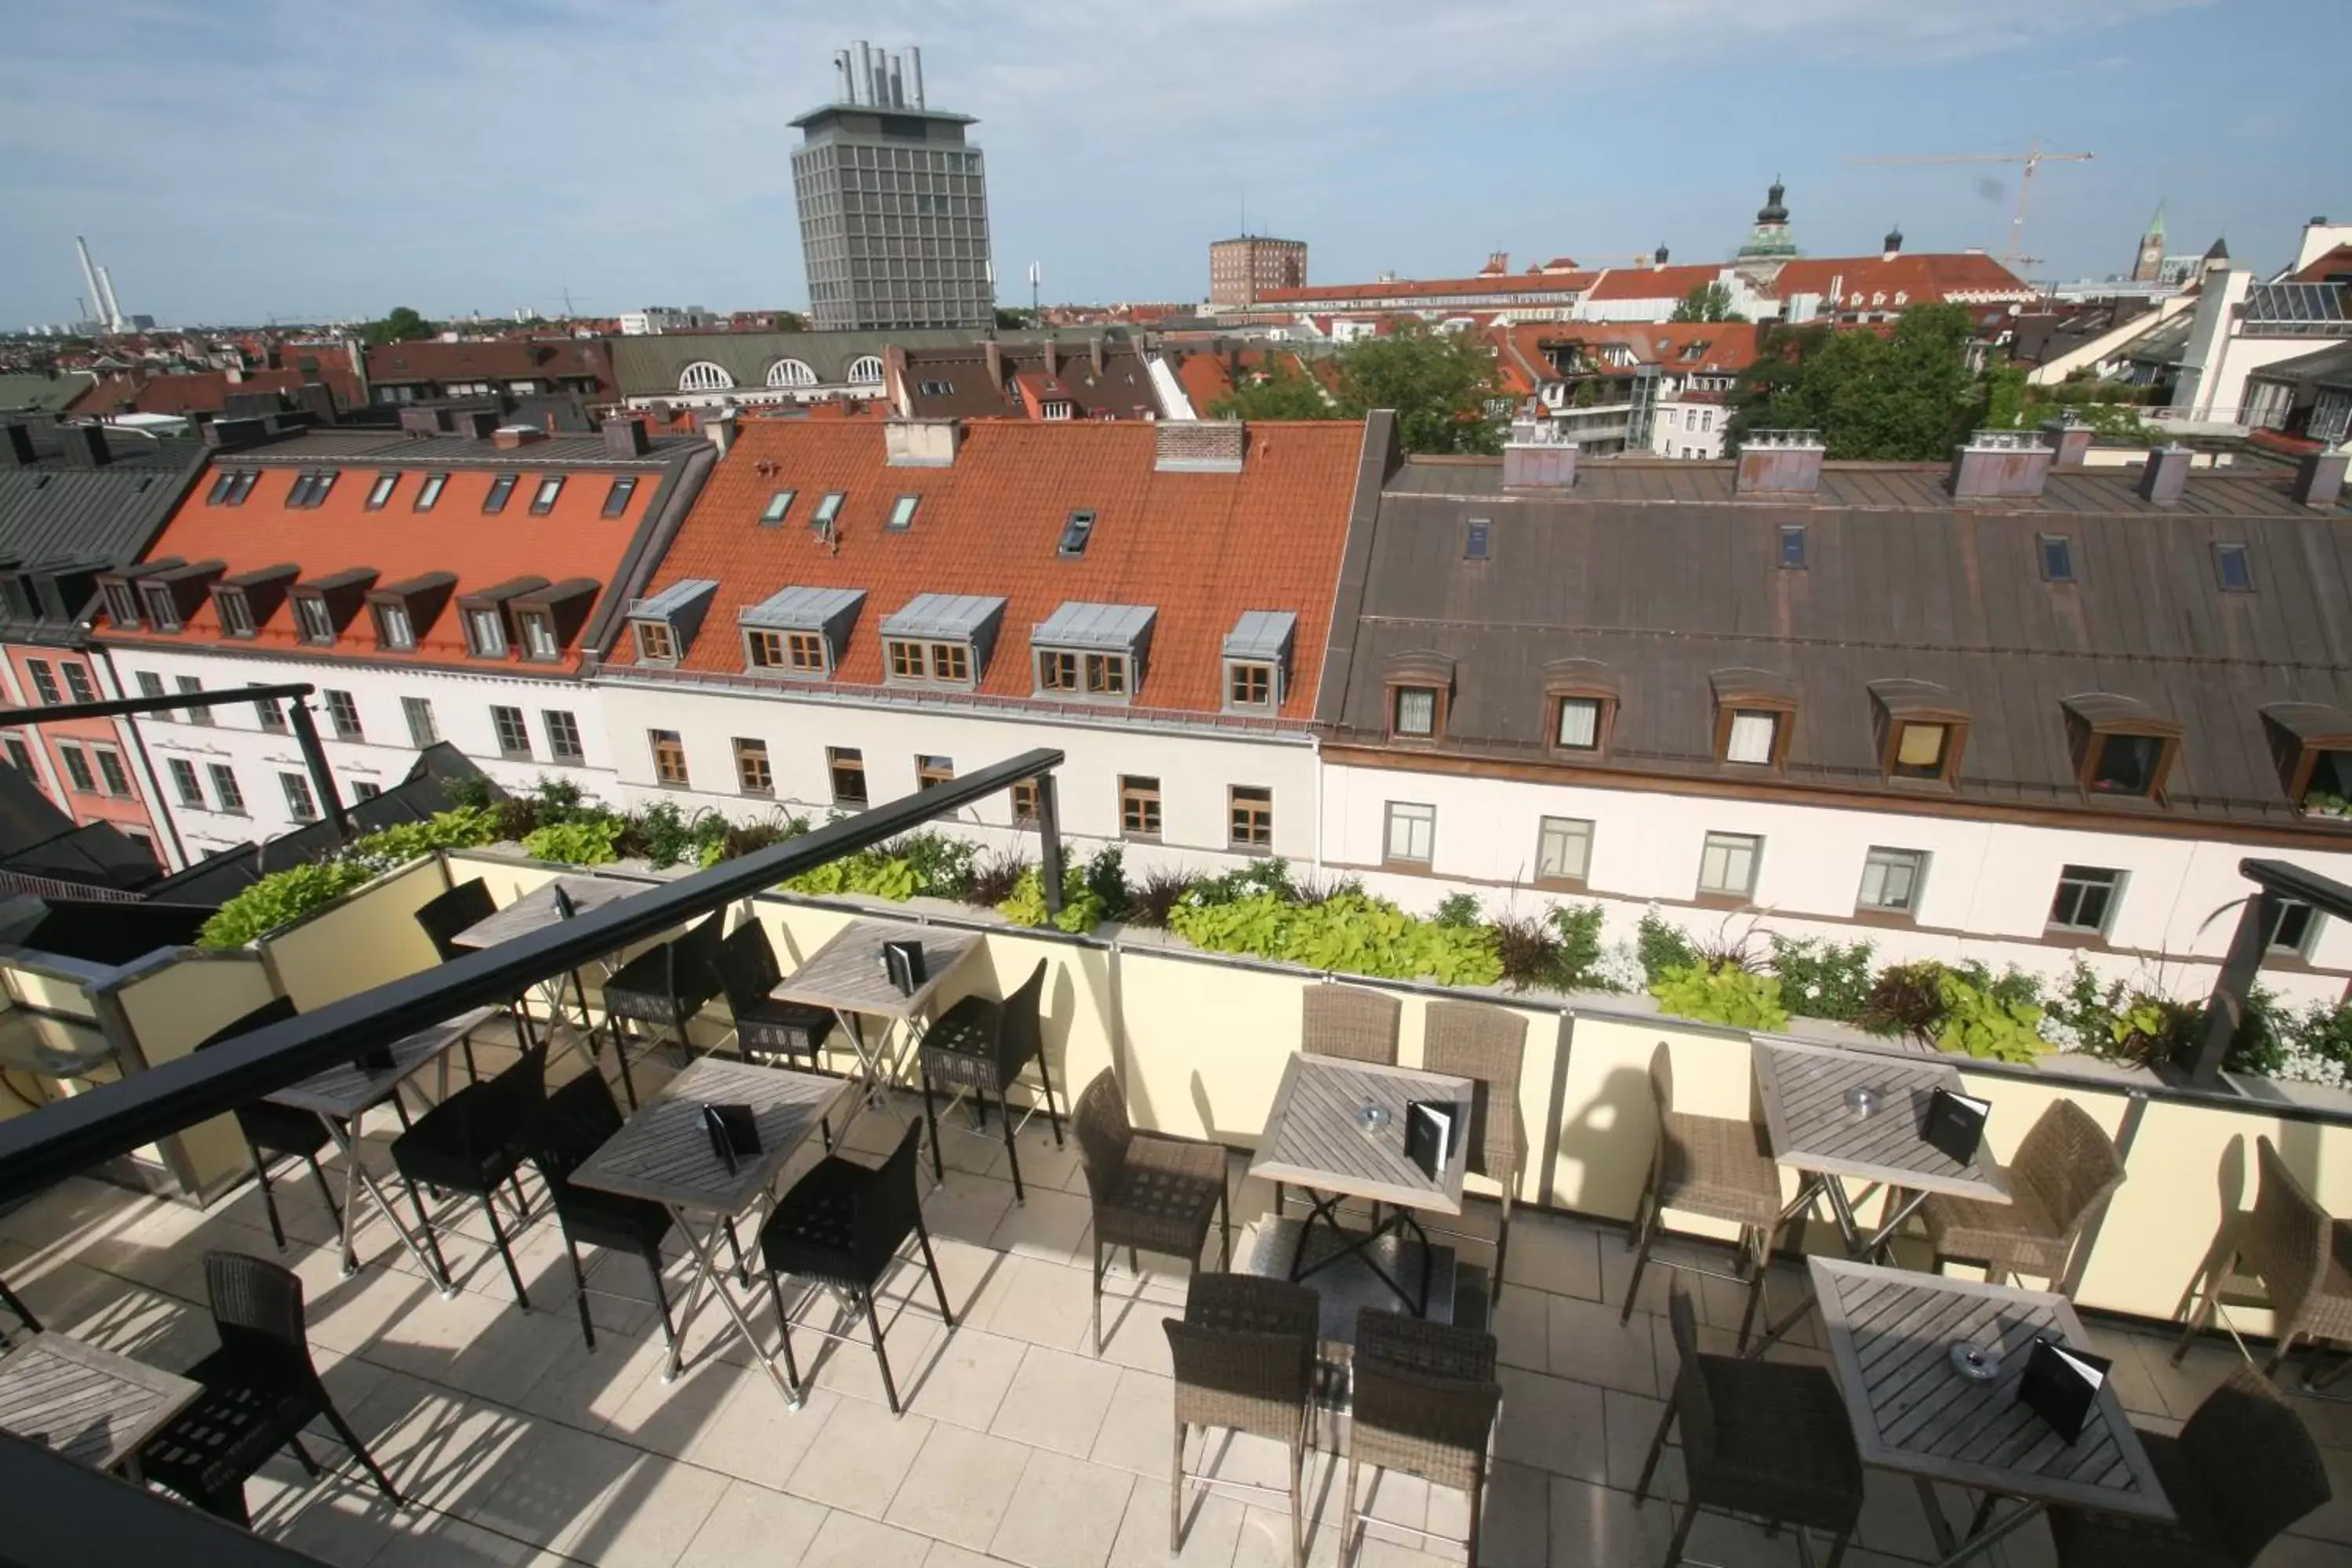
<point>995,351</point>
<point>626,437</point>
<point>1198,445</point>
<point>2071,438</point>
<point>514,438</point>
<point>2319,478</point>
<point>1779,463</point>
<point>895,378</point>
<point>1537,457</point>
<point>1052,358</point>
<point>1994,464</point>
<point>719,425</point>
<point>2166,473</point>
<point>1095,353</point>
<point>475,423</point>
<point>84,445</point>
<point>15,446</point>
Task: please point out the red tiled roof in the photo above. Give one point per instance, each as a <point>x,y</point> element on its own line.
<point>1654,282</point>
<point>1921,279</point>
<point>573,540</point>
<point>1730,346</point>
<point>204,391</point>
<point>1200,548</point>
<point>1520,283</point>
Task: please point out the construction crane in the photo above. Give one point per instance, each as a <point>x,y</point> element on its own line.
<point>2032,159</point>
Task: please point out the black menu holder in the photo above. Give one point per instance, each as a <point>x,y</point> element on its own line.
<point>375,1058</point>
<point>1955,1125</point>
<point>1431,1128</point>
<point>734,1133</point>
<point>2060,1385</point>
<point>564,908</point>
<point>903,962</point>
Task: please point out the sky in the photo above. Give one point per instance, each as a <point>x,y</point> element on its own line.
<point>232,161</point>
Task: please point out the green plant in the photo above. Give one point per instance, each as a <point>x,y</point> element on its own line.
<point>469,792</point>
<point>1662,946</point>
<point>592,842</point>
<point>941,865</point>
<point>280,898</point>
<point>1350,932</point>
<point>1150,901</point>
<point>1976,1023</point>
<point>1529,950</point>
<point>1458,912</point>
<point>995,877</point>
<point>1271,875</point>
<point>1906,999</point>
<point>1823,979</point>
<point>659,834</point>
<point>2317,1046</point>
<point>1106,877</point>
<point>404,841</point>
<point>1717,993</point>
<point>1026,906</point>
<point>1581,954</point>
<point>873,872</point>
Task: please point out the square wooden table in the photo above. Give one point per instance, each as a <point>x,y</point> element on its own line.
<point>663,1154</point>
<point>91,1406</point>
<point>535,912</point>
<point>1890,1337</point>
<point>846,976</point>
<point>1315,1139</point>
<point>342,1093</point>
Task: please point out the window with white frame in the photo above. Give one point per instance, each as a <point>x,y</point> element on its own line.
<point>2086,899</point>
<point>1892,880</point>
<point>1727,865</point>
<point>562,735</point>
<point>1563,849</point>
<point>1411,833</point>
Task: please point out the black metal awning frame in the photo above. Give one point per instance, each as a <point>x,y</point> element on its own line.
<point>2276,884</point>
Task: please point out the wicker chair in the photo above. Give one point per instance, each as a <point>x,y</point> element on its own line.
<point>580,1119</point>
<point>260,1390</point>
<point>664,987</point>
<point>1426,1399</point>
<point>979,1048</point>
<point>748,972</point>
<point>443,917</point>
<point>2062,1178</point>
<point>1714,1165</point>
<point>1486,1044</point>
<point>1352,1023</point>
<point>1763,1439</point>
<point>2302,1259</point>
<point>273,1131</point>
<point>2241,1470</point>
<point>1150,1191</point>
<point>475,1142</point>
<point>1244,1359</point>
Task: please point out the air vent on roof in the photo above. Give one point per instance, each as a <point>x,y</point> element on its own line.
<point>1075,534</point>
<point>2166,474</point>
<point>1779,463</point>
<point>921,442</point>
<point>2319,478</point>
<point>1199,446</point>
<point>1993,464</point>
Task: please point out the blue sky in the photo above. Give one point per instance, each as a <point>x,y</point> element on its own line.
<point>235,159</point>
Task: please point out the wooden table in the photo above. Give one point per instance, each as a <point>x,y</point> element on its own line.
<point>535,912</point>
<point>663,1154</point>
<point>1314,1139</point>
<point>340,1096</point>
<point>1890,1334</point>
<point>93,1407</point>
<point>846,976</point>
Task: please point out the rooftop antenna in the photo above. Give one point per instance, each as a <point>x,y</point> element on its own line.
<point>1034,274</point>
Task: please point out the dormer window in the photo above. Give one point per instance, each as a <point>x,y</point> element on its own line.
<point>902,513</point>
<point>2310,744</point>
<point>773,514</point>
<point>1582,695</point>
<point>828,511</point>
<point>236,616</point>
<point>1054,408</point>
<point>169,597</point>
<point>664,626</point>
<point>941,639</point>
<point>1754,712</point>
<point>1079,529</point>
<point>312,620</point>
<point>122,604</point>
<point>616,500</point>
<point>486,634</point>
<point>800,632</point>
<point>325,605</point>
<point>547,620</point>
<point>1092,652</point>
<point>1420,691</point>
<point>1920,729</point>
<point>429,493</point>
<point>500,488</point>
<point>2122,746</point>
<point>380,491</point>
<point>394,629</point>
<point>246,601</point>
<point>405,612</point>
<point>1248,684</point>
<point>542,499</point>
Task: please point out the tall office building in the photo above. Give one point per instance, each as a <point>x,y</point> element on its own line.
<point>893,203</point>
<point>1242,268</point>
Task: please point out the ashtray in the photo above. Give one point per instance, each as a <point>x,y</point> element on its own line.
<point>1862,1099</point>
<point>1975,1363</point>
<point>1372,1118</point>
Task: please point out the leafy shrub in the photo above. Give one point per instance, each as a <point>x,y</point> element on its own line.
<point>995,878</point>
<point>594,841</point>
<point>1583,962</point>
<point>1271,875</point>
<point>1528,949</point>
<point>1662,946</point>
<point>280,898</point>
<point>1978,1023</point>
<point>1351,932</point>
<point>659,834</point>
<point>1106,878</point>
<point>1458,912</point>
<point>2317,1046</point>
<point>404,841</point>
<point>1823,979</point>
<point>470,792</point>
<point>873,872</point>
<point>941,865</point>
<point>1150,901</point>
<point>1025,905</point>
<point>1322,890</point>
<point>1906,999</point>
<point>1721,994</point>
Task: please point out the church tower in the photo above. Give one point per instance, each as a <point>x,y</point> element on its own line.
<point>2150,265</point>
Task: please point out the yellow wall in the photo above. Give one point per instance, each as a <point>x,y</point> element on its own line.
<point>172,1007</point>
<point>361,941</point>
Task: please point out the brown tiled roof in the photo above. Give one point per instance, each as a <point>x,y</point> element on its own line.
<point>1199,548</point>
<point>499,358</point>
<point>205,391</point>
<point>1122,390</point>
<point>1725,347</point>
<point>1400,289</point>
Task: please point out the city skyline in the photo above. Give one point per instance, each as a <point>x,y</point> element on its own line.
<point>262,161</point>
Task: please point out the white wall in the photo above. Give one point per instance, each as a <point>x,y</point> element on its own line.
<point>1672,434</point>
<point>1195,770</point>
<point>1987,891</point>
<point>461,708</point>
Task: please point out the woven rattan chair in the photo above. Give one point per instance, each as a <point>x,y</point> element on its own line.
<point>1719,1166</point>
<point>664,987</point>
<point>748,972</point>
<point>1426,1399</point>
<point>444,918</point>
<point>1350,1022</point>
<point>2063,1174</point>
<point>475,1142</point>
<point>980,1047</point>
<point>2241,1470</point>
<point>260,1390</point>
<point>1244,1359</point>
<point>273,1131</point>
<point>2302,1259</point>
<point>1767,1439</point>
<point>1150,1191</point>
<point>580,1119</point>
<point>1488,1046</point>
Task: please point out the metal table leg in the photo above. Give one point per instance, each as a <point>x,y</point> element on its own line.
<point>1979,1541</point>
<point>709,1275</point>
<point>356,1175</point>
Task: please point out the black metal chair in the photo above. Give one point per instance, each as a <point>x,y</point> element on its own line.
<point>842,1227</point>
<point>578,1119</point>
<point>260,1389</point>
<point>15,1304</point>
<point>475,1142</point>
<point>461,908</point>
<point>979,1048</point>
<point>664,987</point>
<point>273,1131</point>
<point>748,971</point>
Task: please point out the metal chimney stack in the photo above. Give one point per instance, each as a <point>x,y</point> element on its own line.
<point>915,69</point>
<point>864,79</point>
<point>89,275</point>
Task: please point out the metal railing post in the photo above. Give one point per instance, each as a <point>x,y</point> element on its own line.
<point>2226,1008</point>
<point>314,757</point>
<point>1049,845</point>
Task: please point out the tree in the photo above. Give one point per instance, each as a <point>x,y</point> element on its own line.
<point>1011,320</point>
<point>1707,302</point>
<point>401,326</point>
<point>1908,397</point>
<point>1281,391</point>
<point>1438,383</point>
<point>791,321</point>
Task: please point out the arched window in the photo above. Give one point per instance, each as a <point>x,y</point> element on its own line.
<point>790,372</point>
<point>865,369</point>
<point>704,376</point>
